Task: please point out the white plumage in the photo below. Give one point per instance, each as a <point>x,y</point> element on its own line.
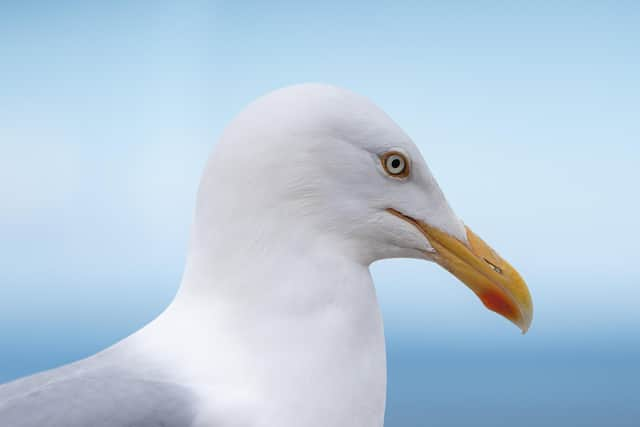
<point>276,321</point>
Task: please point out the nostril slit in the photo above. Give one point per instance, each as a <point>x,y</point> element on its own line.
<point>493,266</point>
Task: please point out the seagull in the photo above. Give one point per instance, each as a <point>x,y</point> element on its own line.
<point>276,321</point>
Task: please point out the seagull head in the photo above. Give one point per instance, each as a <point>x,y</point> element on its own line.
<point>332,166</point>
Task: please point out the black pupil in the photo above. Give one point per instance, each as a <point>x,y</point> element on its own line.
<point>395,163</point>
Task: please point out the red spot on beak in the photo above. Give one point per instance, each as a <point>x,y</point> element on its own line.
<point>500,303</point>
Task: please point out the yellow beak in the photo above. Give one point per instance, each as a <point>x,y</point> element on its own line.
<point>494,280</point>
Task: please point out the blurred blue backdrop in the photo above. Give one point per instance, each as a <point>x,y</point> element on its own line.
<point>527,113</point>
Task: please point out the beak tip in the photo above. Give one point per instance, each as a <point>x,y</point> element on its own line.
<point>525,323</point>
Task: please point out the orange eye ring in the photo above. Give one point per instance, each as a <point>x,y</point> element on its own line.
<point>395,164</point>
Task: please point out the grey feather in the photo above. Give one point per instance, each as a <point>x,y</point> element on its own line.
<point>91,393</point>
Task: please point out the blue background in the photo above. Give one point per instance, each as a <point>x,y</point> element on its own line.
<point>527,113</point>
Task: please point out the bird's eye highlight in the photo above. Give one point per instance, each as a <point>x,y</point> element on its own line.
<point>395,164</point>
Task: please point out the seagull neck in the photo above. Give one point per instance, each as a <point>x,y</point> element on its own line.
<point>289,323</point>
<point>299,268</point>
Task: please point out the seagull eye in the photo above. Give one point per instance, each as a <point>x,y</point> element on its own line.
<point>395,164</point>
